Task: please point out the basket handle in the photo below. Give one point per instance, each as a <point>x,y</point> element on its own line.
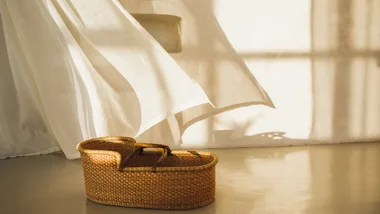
<point>139,148</point>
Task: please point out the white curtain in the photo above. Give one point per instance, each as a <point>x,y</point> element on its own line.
<point>207,56</point>
<point>82,68</point>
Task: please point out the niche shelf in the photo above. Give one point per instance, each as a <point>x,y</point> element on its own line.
<point>166,29</point>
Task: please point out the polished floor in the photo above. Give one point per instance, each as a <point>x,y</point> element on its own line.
<point>340,179</point>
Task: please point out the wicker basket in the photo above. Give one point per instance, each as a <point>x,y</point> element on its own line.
<point>117,171</point>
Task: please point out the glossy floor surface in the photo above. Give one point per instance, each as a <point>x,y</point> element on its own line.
<point>340,179</point>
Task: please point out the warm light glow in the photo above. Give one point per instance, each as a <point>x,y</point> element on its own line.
<point>316,60</point>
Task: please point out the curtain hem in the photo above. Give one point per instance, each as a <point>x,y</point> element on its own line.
<point>43,152</point>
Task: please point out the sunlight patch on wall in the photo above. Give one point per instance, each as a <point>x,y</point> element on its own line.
<point>265,31</point>
<point>297,51</point>
<point>290,89</point>
<point>265,26</point>
<point>323,78</point>
<point>287,79</point>
<point>372,101</point>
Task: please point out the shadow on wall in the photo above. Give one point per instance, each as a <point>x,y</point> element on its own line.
<point>211,43</point>
<point>343,57</point>
<point>355,108</point>
<point>343,73</point>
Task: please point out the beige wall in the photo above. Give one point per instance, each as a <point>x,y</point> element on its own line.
<point>315,59</point>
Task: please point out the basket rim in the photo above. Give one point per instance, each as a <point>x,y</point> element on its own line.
<point>144,169</point>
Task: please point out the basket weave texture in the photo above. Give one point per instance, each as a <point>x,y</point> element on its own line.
<point>115,174</point>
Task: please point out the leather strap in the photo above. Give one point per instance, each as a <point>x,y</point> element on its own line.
<point>139,149</point>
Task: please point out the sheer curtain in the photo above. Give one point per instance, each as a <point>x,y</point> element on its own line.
<point>77,69</point>
<point>83,71</point>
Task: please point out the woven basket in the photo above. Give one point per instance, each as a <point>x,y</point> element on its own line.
<point>118,171</point>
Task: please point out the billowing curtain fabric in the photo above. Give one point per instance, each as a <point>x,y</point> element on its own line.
<point>83,69</point>
<point>86,68</point>
<point>207,56</point>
